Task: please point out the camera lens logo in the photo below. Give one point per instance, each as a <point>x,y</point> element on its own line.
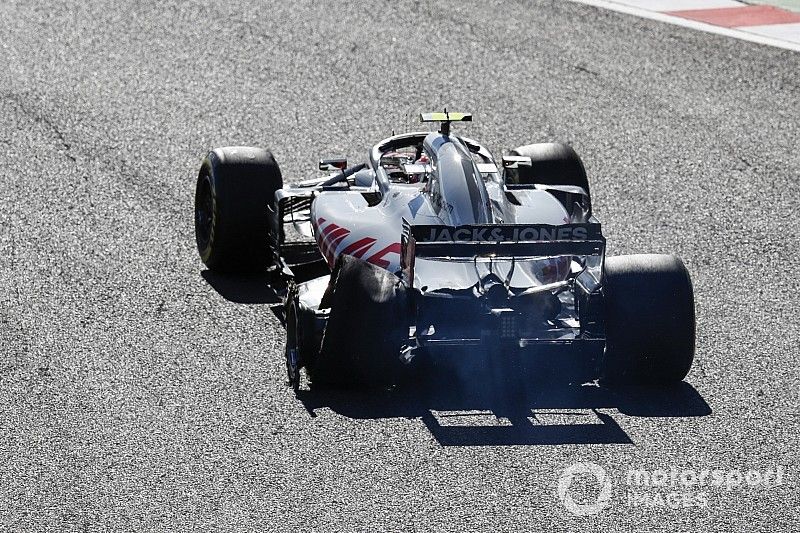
<point>573,471</point>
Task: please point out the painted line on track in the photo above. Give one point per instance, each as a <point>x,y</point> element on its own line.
<point>738,33</point>
<point>731,17</point>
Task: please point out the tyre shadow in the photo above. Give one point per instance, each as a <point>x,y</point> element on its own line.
<point>517,412</point>
<point>243,288</point>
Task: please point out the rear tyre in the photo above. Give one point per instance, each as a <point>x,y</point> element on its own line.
<point>367,326</point>
<point>552,164</point>
<point>650,319</point>
<point>234,197</point>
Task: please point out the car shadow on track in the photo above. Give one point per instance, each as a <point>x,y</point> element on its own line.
<point>523,413</point>
<point>243,289</point>
<point>472,405</point>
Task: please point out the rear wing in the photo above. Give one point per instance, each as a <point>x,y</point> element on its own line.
<point>504,239</point>
<point>499,240</point>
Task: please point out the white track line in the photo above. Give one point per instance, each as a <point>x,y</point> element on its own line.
<point>775,31</point>
<point>686,23</point>
<point>680,5</point>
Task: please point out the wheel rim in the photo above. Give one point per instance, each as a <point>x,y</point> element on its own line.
<point>204,213</point>
<point>292,354</point>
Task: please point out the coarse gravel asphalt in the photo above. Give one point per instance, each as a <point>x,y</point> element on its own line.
<point>137,393</point>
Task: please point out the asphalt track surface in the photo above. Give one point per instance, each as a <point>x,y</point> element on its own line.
<point>137,393</point>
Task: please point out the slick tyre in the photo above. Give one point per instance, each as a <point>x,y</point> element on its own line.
<point>552,164</point>
<point>650,320</point>
<point>234,207</point>
<point>366,329</point>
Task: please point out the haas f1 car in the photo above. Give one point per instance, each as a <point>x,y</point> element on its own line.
<point>432,246</point>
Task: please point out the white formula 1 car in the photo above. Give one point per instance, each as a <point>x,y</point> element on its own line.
<point>430,246</point>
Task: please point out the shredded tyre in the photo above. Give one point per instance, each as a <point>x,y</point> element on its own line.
<point>366,329</point>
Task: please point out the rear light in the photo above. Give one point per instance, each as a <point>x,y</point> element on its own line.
<point>506,322</point>
<point>508,326</point>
